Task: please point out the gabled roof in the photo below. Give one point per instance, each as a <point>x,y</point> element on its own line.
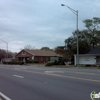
<point>43,53</point>
<point>94,51</point>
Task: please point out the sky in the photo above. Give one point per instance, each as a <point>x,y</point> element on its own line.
<point>42,23</point>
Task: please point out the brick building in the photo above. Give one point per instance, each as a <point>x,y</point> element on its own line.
<point>40,55</point>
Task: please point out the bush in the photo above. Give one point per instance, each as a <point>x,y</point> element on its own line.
<point>88,65</point>
<point>56,62</point>
<point>35,61</point>
<point>61,61</point>
<point>32,61</point>
<point>29,61</point>
<point>49,63</point>
<point>14,63</point>
<point>99,66</point>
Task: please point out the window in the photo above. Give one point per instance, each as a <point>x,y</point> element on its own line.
<point>41,58</point>
<point>47,58</point>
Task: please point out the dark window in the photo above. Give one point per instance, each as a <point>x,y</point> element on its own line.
<point>47,58</point>
<point>41,58</point>
<point>36,58</point>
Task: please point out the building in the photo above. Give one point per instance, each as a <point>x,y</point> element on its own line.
<point>90,58</point>
<point>42,56</point>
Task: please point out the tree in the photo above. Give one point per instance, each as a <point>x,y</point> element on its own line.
<point>45,48</point>
<point>89,38</point>
<point>3,54</point>
<point>29,47</point>
<point>93,26</point>
<point>71,43</point>
<point>59,50</point>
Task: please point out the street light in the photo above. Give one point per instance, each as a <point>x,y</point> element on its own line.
<point>76,13</point>
<point>7,46</point>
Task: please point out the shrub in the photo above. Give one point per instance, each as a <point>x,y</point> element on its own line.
<point>29,61</point>
<point>61,61</point>
<point>4,62</point>
<point>32,61</point>
<point>49,63</point>
<point>14,63</point>
<point>56,62</point>
<point>88,65</point>
<point>98,66</point>
<point>35,61</point>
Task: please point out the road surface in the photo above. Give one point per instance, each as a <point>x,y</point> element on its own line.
<point>43,83</point>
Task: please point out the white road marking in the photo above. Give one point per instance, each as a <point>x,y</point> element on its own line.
<point>18,76</point>
<point>48,71</point>
<point>19,68</point>
<point>4,96</point>
<point>54,72</point>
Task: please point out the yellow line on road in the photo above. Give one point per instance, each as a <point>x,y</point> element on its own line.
<point>85,73</point>
<point>58,75</point>
<point>75,77</point>
<point>82,73</point>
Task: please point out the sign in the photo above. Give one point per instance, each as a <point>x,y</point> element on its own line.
<point>94,95</point>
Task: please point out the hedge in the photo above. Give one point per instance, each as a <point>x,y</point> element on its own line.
<point>49,63</point>
<point>32,61</point>
<point>14,63</point>
<point>61,61</point>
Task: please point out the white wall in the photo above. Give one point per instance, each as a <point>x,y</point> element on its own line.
<point>84,59</point>
<point>32,57</point>
<point>87,60</point>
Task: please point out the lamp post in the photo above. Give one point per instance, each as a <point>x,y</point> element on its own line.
<point>7,46</point>
<point>76,13</point>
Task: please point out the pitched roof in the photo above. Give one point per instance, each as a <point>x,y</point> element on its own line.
<point>94,51</point>
<point>43,53</point>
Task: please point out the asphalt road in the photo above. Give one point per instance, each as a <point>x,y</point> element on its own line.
<point>40,83</point>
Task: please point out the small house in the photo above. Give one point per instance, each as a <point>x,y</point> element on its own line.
<point>90,58</point>
<point>42,56</point>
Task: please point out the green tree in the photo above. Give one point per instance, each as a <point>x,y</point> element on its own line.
<point>59,50</point>
<point>93,26</point>
<point>45,48</point>
<point>4,53</point>
<point>89,38</point>
<point>71,43</point>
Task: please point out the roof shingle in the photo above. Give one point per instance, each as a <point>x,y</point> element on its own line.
<point>43,53</point>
